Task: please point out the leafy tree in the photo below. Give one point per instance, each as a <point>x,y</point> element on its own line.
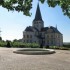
<point>64,4</point>
<point>8,44</point>
<point>15,40</point>
<point>25,5</point>
<point>0,38</point>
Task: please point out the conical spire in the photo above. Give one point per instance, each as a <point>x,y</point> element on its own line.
<point>38,14</point>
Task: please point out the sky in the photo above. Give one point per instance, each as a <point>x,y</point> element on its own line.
<point>12,24</point>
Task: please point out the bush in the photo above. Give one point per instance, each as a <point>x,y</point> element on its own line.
<point>30,45</point>
<point>8,44</point>
<point>3,44</point>
<point>24,45</point>
<point>59,48</point>
<point>66,45</point>
<point>64,48</point>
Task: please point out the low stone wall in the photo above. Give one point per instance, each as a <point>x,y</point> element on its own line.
<point>34,51</point>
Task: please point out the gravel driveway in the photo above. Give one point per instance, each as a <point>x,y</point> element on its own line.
<point>12,61</point>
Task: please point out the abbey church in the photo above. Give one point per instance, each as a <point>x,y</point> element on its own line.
<point>37,33</point>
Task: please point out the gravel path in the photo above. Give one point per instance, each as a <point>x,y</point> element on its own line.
<point>11,61</point>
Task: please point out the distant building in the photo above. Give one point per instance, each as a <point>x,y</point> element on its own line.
<point>37,33</point>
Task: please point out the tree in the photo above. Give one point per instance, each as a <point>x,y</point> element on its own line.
<point>0,38</point>
<point>8,44</point>
<point>15,40</point>
<point>25,5</point>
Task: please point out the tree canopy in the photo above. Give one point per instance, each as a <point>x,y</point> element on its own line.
<point>25,5</point>
<point>0,38</point>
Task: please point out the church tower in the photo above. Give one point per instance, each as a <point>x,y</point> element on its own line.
<point>38,22</point>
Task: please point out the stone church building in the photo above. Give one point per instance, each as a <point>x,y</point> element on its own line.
<point>37,33</point>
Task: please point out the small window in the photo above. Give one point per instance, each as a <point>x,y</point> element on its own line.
<point>27,36</point>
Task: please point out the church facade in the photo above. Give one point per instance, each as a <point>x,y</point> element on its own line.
<point>37,33</point>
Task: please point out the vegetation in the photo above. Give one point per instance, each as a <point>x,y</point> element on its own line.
<point>59,48</point>
<point>26,5</point>
<point>8,44</point>
<point>25,45</point>
<point>0,38</point>
<point>17,44</point>
<point>2,43</point>
<point>67,45</point>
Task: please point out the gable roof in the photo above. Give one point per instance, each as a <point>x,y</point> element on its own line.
<point>54,30</point>
<point>31,29</point>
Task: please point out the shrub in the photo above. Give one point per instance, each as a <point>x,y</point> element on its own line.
<point>53,47</point>
<point>59,48</point>
<point>64,48</point>
<point>24,45</point>
<point>8,44</point>
<point>2,43</point>
<point>66,45</point>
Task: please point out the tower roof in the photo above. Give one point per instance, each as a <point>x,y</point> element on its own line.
<point>38,14</point>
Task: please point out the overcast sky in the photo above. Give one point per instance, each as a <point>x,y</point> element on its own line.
<point>12,24</point>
